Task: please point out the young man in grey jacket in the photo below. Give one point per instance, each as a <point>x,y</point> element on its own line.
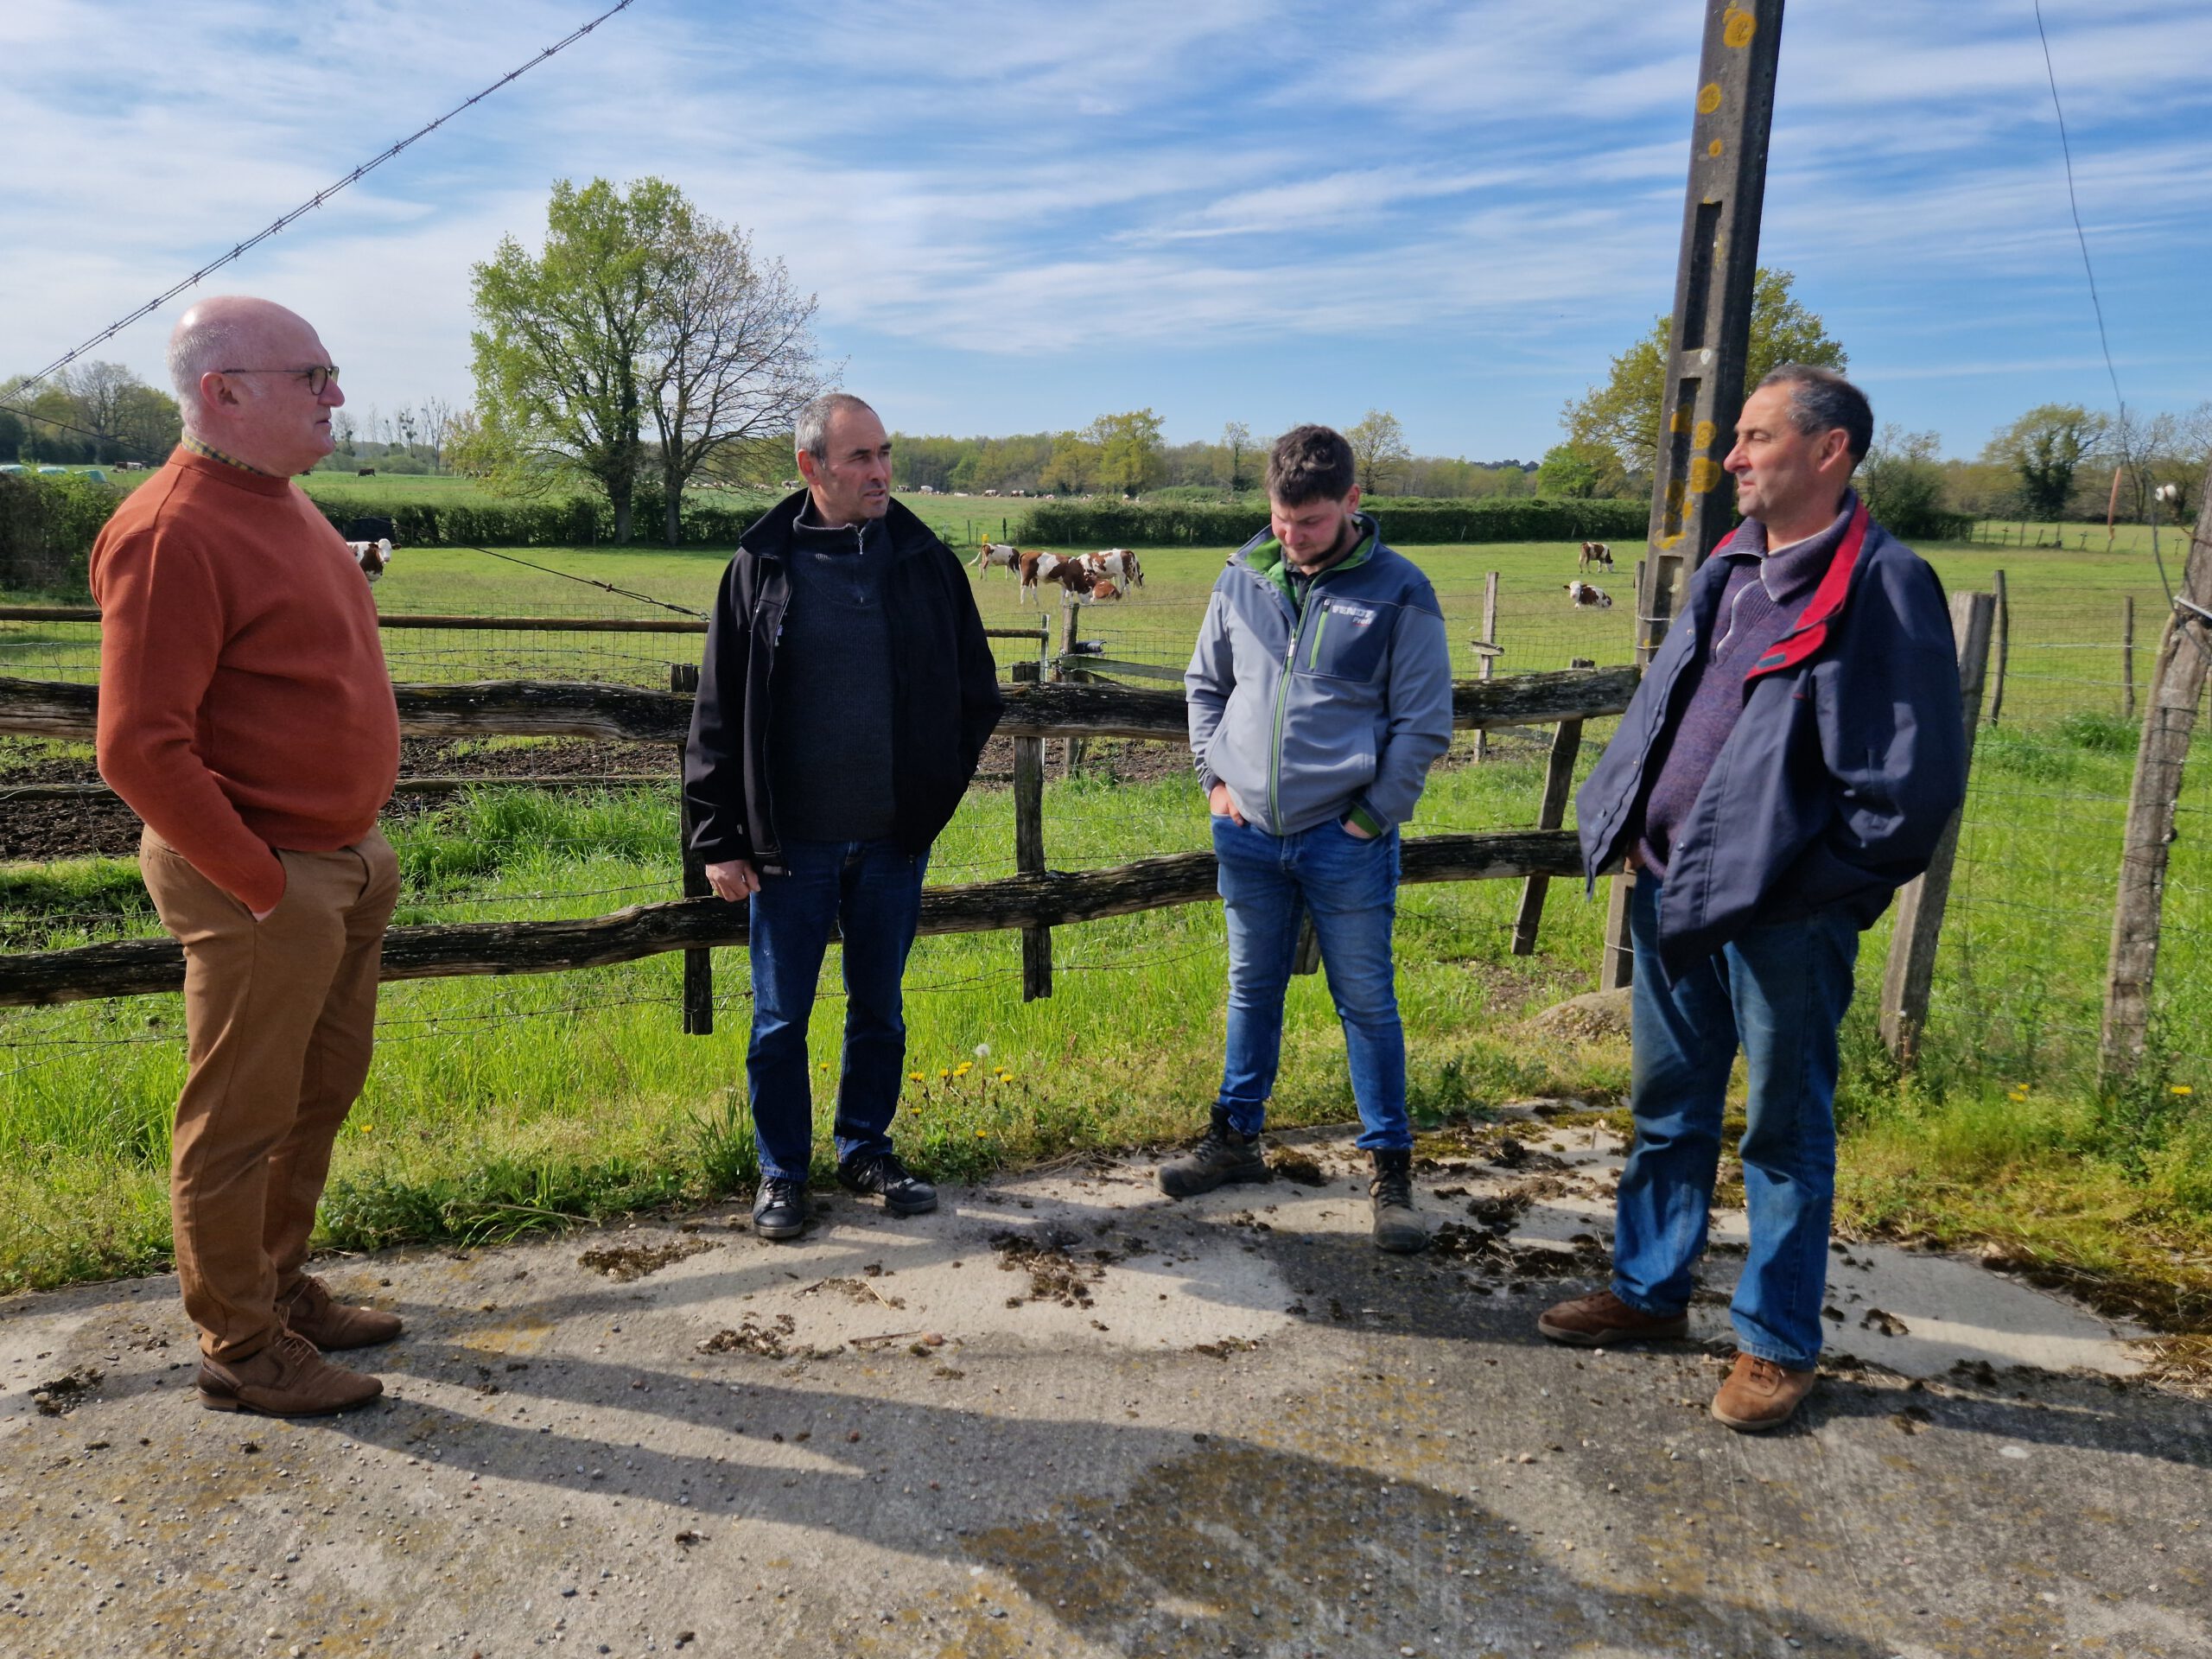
<point>1320,694</point>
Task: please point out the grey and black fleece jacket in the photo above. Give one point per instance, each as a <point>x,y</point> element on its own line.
<point>1318,707</point>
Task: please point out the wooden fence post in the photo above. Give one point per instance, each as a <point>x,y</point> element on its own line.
<point>2127,658</point>
<point>2176,687</point>
<point>2004,646</point>
<point>1551,813</point>
<point>698,965</point>
<point>1909,973</point>
<point>1071,751</point>
<point>1029,846</point>
<point>1617,957</point>
<point>1483,669</point>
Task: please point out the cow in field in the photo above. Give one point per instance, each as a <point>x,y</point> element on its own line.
<point>1000,555</point>
<point>1119,563</point>
<point>1585,596</point>
<point>1034,567</point>
<point>1596,553</point>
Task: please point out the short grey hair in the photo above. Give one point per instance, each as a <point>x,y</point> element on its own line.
<point>810,432</point>
<point>1820,400</point>
<point>194,350</point>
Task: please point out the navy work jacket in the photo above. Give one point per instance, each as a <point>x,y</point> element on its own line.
<point>1841,776</point>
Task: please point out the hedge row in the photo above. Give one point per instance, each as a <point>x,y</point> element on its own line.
<point>1409,523</point>
<point>48,526</point>
<point>573,521</point>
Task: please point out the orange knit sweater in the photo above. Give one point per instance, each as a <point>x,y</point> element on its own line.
<point>245,703</point>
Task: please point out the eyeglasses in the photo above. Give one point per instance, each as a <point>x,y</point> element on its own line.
<point>317,375</point>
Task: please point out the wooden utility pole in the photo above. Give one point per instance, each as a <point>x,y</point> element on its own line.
<point>2168,720</point>
<point>1709,344</point>
<point>1908,977</point>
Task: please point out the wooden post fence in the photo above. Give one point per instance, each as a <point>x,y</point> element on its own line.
<point>1908,977</point>
<point>2176,688</point>
<point>2004,646</point>
<point>2127,658</point>
<point>1551,813</point>
<point>698,965</point>
<point>1486,649</point>
<point>1071,753</point>
<point>1029,845</point>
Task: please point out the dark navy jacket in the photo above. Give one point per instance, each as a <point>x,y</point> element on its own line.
<point>1839,779</point>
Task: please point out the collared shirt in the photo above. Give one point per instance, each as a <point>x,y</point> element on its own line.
<point>200,448</point>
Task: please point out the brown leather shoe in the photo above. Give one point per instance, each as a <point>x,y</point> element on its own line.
<point>286,1379</point>
<point>1760,1394</point>
<point>1602,1319</point>
<point>311,1313</point>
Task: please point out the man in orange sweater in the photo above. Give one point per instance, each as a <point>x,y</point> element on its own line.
<point>246,715</point>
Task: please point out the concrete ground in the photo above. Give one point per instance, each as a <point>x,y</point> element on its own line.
<point>1063,1416</point>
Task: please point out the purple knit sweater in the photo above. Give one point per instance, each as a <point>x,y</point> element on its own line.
<point>1765,594</point>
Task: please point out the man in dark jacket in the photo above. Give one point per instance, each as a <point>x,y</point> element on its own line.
<point>846,693</point>
<point>1790,759</point>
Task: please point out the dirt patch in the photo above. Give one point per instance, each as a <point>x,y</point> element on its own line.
<point>1299,1166</point>
<point>67,1392</point>
<point>751,1337</point>
<point>1581,1256</point>
<point>1054,1274</point>
<point>623,1262</point>
<point>858,1290</point>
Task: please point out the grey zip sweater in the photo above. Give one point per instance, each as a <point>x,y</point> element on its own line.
<point>1309,713</point>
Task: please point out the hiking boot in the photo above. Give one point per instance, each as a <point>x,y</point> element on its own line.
<point>1602,1320</point>
<point>1760,1394</point>
<point>288,1378</point>
<point>1398,1227</point>
<point>310,1311</point>
<point>904,1193</point>
<point>1221,1156</point>
<point>780,1209</point>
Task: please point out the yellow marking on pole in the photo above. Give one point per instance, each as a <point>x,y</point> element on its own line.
<point>1705,472</point>
<point>1712,149</point>
<point>1702,438</point>
<point>1708,97</point>
<point>1738,26</point>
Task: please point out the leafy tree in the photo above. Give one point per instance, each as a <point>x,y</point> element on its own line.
<point>2045,448</point>
<point>733,359</point>
<point>2179,450</point>
<point>1623,413</point>
<point>1579,471</point>
<point>1902,479</point>
<point>1072,466</point>
<point>1236,438</point>
<point>1378,449</point>
<point>1129,448</point>
<point>567,334</point>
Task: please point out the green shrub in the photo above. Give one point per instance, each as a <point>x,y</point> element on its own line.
<point>1407,521</point>
<point>48,526</point>
<point>567,521</point>
<point>2099,734</point>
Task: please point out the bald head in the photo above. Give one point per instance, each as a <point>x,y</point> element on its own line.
<point>236,363</point>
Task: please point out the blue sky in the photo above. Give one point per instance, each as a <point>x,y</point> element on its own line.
<point>1018,217</point>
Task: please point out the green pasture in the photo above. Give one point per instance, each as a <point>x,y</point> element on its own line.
<point>500,1105</point>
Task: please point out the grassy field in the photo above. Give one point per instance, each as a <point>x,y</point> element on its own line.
<point>501,1105</point>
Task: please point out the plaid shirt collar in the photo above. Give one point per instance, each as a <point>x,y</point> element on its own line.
<point>213,453</point>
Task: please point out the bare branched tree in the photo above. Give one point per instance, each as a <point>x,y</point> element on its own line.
<point>732,362</point>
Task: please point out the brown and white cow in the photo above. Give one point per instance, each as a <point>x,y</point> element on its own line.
<point>1596,553</point>
<point>1000,555</point>
<point>1119,563</point>
<point>1585,596</point>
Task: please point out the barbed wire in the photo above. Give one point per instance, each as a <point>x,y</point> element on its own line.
<point>320,197</point>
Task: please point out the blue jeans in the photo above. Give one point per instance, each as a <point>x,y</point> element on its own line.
<point>1781,992</point>
<point>1351,885</point>
<point>871,893</point>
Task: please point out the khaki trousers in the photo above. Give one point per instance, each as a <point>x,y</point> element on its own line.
<point>279,1019</point>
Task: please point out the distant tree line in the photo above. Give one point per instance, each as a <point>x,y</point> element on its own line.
<point>91,414</point>
<point>1125,455</point>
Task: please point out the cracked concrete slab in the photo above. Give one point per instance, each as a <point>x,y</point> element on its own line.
<point>1065,1416</point>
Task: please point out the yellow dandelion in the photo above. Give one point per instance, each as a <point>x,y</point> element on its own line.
<point>981,1134</point>
<point>963,1068</point>
<point>2183,1089</point>
<point>913,1077</point>
<point>943,1075</point>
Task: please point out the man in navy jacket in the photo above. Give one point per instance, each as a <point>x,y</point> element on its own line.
<point>1790,759</point>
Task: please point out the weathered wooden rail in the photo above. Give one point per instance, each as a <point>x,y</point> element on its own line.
<point>1035,901</point>
<point>1055,898</point>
